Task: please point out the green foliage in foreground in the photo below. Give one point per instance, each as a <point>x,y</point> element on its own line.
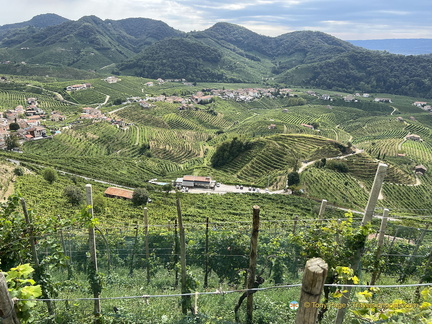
<point>281,258</point>
<point>22,287</point>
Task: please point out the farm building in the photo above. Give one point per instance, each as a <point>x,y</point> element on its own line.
<point>113,192</point>
<point>414,137</point>
<point>388,100</point>
<point>195,181</point>
<point>420,169</point>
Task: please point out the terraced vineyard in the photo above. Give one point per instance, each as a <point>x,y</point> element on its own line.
<point>46,101</point>
<point>166,142</point>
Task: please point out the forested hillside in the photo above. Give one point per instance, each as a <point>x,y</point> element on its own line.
<point>223,53</point>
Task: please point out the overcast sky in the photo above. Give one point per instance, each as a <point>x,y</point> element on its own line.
<point>345,19</point>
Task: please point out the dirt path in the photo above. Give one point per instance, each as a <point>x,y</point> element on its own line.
<point>305,165</point>
<point>118,109</point>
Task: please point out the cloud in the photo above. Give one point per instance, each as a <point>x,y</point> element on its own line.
<point>354,19</point>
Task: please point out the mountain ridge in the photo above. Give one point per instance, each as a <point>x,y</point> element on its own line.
<point>151,48</point>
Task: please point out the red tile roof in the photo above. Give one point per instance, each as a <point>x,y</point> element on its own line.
<point>196,178</point>
<point>119,192</point>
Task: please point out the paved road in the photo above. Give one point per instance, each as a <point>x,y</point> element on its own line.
<point>231,188</point>
<point>222,189</point>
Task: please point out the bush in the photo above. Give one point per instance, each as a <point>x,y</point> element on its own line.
<point>140,196</point>
<point>293,178</point>
<point>74,195</point>
<point>337,166</point>
<point>50,175</point>
<point>19,171</point>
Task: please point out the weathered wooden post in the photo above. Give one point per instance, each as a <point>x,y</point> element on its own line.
<point>312,285</point>
<point>30,229</point>
<point>374,194</point>
<point>93,256</point>
<point>379,248</point>
<point>146,231</point>
<point>295,224</point>
<point>206,271</point>
<point>38,271</point>
<point>134,250</point>
<point>367,218</point>
<point>186,300</point>
<point>176,253</point>
<point>62,240</point>
<point>7,310</point>
<point>252,262</point>
<point>322,210</point>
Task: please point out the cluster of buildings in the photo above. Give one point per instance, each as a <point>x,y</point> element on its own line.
<point>208,95</point>
<point>423,105</point>
<point>250,94</point>
<point>77,87</point>
<point>347,98</point>
<point>25,122</point>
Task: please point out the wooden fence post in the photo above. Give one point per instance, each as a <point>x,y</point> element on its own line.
<point>379,248</point>
<point>186,300</point>
<point>206,271</point>
<point>176,253</point>
<point>312,285</point>
<point>62,240</point>
<point>92,246</point>
<point>367,218</point>
<point>295,224</point>
<point>134,250</point>
<point>7,310</point>
<point>375,191</point>
<point>252,262</point>
<point>322,210</point>
<point>38,271</point>
<point>146,231</point>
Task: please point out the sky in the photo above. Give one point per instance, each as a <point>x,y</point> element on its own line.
<point>345,19</point>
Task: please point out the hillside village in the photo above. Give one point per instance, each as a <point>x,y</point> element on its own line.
<point>27,122</point>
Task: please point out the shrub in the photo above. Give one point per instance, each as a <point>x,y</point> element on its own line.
<point>140,196</point>
<point>50,175</point>
<point>337,166</point>
<point>19,171</point>
<point>293,178</point>
<point>74,195</point>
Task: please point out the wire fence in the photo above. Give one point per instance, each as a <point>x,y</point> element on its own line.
<point>125,253</point>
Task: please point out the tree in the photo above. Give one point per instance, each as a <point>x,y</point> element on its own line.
<point>12,142</point>
<point>293,178</point>
<point>228,151</point>
<point>14,126</point>
<point>338,166</point>
<point>140,196</point>
<point>167,188</point>
<point>50,175</point>
<point>117,102</point>
<point>74,195</point>
<point>19,171</point>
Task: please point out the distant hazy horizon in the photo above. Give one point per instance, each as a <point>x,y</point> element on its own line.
<point>348,20</point>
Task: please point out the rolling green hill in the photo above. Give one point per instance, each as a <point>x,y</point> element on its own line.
<point>222,53</point>
<point>165,142</point>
